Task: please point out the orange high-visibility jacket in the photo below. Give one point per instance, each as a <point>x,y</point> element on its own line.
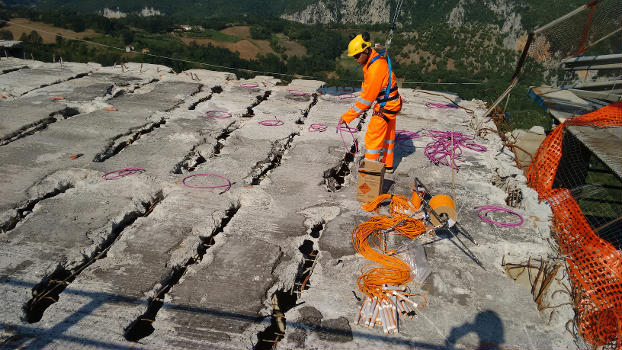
<point>376,78</point>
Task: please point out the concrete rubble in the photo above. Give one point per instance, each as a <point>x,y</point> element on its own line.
<point>144,262</point>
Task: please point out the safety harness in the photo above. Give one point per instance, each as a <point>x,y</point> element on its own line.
<point>383,97</point>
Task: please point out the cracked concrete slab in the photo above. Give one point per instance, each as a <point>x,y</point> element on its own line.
<point>18,83</point>
<point>36,110</point>
<point>454,315</point>
<point>90,134</point>
<point>139,264</point>
<point>200,268</point>
<point>240,267</point>
<point>10,64</point>
<point>57,233</point>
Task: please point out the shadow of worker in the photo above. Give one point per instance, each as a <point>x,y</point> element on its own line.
<point>487,326</point>
<point>403,148</point>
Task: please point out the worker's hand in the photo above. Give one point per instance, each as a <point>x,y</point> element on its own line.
<point>342,119</point>
<point>340,123</point>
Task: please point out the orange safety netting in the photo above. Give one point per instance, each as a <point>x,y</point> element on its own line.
<point>595,266</point>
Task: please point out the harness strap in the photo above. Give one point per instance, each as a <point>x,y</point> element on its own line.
<point>381,54</point>
<point>382,93</point>
<point>384,100</point>
<point>381,115</point>
<point>388,112</point>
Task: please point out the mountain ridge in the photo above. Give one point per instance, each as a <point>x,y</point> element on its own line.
<point>504,13</point>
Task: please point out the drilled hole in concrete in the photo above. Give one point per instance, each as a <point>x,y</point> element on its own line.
<point>250,112</point>
<point>36,307</point>
<point>307,247</point>
<point>143,325</point>
<point>282,301</point>
<point>514,198</point>
<point>66,113</point>
<point>285,300</point>
<point>334,178</point>
<point>316,230</point>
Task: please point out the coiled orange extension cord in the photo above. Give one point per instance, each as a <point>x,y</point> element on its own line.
<point>399,204</point>
<point>367,239</point>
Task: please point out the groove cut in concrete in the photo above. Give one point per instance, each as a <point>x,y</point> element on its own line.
<point>284,300</point>
<point>143,326</point>
<point>215,90</point>
<point>261,169</point>
<point>194,158</point>
<point>123,141</point>
<point>305,114</point>
<point>335,177</point>
<point>48,291</point>
<point>77,76</point>
<point>260,98</point>
<point>42,124</point>
<point>13,69</point>
<point>27,209</point>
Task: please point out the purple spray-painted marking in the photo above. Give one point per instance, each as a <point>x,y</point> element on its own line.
<point>218,114</point>
<point>121,173</point>
<point>482,211</point>
<point>226,186</point>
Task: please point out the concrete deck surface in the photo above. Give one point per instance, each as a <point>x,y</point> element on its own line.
<point>144,262</point>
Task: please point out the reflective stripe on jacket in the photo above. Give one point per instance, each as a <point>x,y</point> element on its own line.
<point>373,88</point>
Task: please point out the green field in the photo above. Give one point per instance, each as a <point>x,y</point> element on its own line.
<point>213,35</point>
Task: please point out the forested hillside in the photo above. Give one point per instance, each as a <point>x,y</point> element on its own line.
<point>437,42</point>
<point>191,9</point>
<point>413,13</point>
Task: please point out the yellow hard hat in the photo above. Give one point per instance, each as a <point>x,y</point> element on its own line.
<point>357,45</point>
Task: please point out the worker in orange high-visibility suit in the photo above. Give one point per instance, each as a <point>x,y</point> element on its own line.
<point>380,135</point>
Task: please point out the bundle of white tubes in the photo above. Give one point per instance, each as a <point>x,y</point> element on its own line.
<point>384,311</point>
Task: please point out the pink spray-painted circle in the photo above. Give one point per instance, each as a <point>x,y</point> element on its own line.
<point>226,186</point>
<point>249,85</point>
<point>218,114</point>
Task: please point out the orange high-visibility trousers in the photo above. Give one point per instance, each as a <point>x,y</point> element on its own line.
<point>380,140</point>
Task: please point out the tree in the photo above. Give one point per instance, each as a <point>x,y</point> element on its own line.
<point>127,36</point>
<point>33,38</point>
<point>6,35</point>
<point>77,24</point>
<point>260,33</point>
